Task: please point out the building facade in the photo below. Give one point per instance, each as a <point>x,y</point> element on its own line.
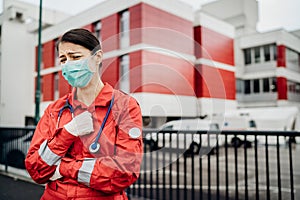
<point>149,52</point>
<point>269,73</point>
<point>177,62</point>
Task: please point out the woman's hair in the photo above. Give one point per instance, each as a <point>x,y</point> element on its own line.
<point>83,38</point>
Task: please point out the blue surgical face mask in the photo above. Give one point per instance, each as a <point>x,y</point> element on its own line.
<point>77,73</point>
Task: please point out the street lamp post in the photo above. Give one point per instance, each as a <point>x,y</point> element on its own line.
<point>38,78</point>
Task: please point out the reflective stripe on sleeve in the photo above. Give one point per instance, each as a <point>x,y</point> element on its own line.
<point>47,155</point>
<point>85,171</point>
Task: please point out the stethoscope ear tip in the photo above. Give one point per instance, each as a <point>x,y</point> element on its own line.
<point>94,147</point>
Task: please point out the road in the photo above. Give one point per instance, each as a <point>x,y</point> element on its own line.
<point>16,189</point>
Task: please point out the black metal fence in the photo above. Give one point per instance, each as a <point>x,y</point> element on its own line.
<point>218,165</point>
<point>200,164</point>
<point>14,144</point>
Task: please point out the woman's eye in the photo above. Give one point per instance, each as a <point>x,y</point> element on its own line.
<point>62,61</point>
<point>76,57</point>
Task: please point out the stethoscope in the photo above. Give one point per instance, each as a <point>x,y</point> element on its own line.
<point>95,146</point>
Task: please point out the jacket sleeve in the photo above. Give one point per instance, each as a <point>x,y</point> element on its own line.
<point>46,149</point>
<point>112,174</point>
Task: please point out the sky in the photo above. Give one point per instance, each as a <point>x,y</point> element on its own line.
<point>273,14</point>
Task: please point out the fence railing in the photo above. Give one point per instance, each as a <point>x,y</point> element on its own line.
<point>14,144</point>
<point>218,165</point>
<point>200,164</point>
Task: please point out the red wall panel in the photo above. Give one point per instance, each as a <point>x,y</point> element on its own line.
<point>213,45</point>
<point>135,71</point>
<point>159,28</point>
<point>110,31</point>
<point>197,44</point>
<point>48,54</point>
<point>110,71</point>
<point>214,83</point>
<point>48,87</point>
<point>282,88</point>
<point>167,75</point>
<point>64,87</point>
<point>88,27</point>
<point>135,24</point>
<point>281,57</point>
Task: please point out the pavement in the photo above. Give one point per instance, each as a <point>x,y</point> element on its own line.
<point>20,187</point>
<point>14,188</point>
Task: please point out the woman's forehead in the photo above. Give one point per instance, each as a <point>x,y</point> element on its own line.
<point>67,48</point>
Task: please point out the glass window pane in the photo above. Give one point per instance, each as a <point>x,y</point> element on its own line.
<point>56,86</point>
<point>266,85</point>
<point>247,56</point>
<point>274,85</point>
<point>256,85</point>
<point>97,29</point>
<point>124,74</point>
<point>239,86</point>
<point>267,53</point>
<point>274,51</point>
<point>124,29</point>
<point>257,54</point>
<point>247,88</point>
<point>291,57</point>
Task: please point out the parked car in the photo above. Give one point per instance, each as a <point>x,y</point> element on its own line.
<point>185,133</point>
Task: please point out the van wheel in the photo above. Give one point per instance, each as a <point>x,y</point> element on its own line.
<point>236,142</point>
<point>192,150</point>
<point>151,145</point>
<point>247,144</point>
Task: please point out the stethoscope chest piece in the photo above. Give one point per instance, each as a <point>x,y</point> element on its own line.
<point>94,147</point>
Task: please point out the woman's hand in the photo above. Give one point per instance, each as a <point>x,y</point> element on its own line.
<point>80,125</point>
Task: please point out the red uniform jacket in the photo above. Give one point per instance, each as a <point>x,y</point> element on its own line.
<point>103,175</point>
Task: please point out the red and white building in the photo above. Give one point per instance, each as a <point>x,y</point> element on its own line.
<point>174,62</point>
<point>177,62</point>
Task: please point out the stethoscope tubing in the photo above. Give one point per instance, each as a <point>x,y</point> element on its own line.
<point>94,146</point>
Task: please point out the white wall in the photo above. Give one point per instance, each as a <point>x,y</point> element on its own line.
<point>17,67</point>
<point>17,63</point>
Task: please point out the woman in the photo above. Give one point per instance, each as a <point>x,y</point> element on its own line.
<point>88,144</point>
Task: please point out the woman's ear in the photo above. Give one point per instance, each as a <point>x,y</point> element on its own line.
<point>99,55</point>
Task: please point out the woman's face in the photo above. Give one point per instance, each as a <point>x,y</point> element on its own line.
<point>70,52</point>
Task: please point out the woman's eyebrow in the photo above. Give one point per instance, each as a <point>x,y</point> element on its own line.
<point>70,53</point>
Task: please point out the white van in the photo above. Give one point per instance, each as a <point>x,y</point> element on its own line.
<point>235,122</point>
<point>186,140</point>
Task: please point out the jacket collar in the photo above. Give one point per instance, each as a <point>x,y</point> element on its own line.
<point>103,98</point>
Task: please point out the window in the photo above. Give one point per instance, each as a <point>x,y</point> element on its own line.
<point>257,54</point>
<point>266,85</point>
<point>247,54</point>
<point>247,88</point>
<point>124,74</point>
<point>274,85</point>
<point>97,29</point>
<point>274,48</point>
<point>256,85</point>
<point>297,88</point>
<point>56,86</point>
<point>239,86</point>
<point>267,54</point>
<point>292,57</point>
<point>124,29</point>
<point>56,54</point>
<point>260,54</point>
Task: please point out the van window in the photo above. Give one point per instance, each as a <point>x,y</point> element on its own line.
<point>252,124</point>
<point>170,127</point>
<point>214,127</point>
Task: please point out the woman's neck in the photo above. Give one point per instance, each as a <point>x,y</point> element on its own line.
<point>88,94</point>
